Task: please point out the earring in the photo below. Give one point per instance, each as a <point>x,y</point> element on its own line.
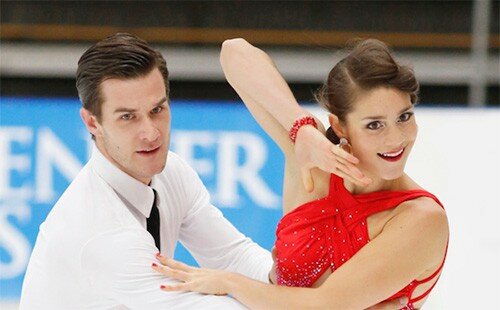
<point>345,145</point>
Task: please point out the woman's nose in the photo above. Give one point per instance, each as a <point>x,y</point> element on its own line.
<point>396,137</point>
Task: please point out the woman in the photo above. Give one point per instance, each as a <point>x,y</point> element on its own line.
<point>363,234</point>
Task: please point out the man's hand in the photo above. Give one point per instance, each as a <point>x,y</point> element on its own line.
<point>313,149</point>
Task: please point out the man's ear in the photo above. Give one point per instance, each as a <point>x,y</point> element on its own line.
<point>90,121</point>
<point>336,126</point>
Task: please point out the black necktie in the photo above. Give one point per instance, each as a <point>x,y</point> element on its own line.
<point>153,222</point>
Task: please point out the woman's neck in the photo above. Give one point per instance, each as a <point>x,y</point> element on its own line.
<point>377,185</point>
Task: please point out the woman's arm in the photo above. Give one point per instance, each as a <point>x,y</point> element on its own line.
<point>410,244</point>
<point>253,75</point>
<point>255,78</point>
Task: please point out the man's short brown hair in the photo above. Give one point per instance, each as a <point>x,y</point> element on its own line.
<point>120,56</point>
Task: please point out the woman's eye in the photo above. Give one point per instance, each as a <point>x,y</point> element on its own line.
<point>157,110</point>
<point>374,125</point>
<point>405,116</point>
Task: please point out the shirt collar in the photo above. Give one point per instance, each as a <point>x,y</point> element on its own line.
<point>139,195</point>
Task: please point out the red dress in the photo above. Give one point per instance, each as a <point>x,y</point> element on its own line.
<point>325,233</point>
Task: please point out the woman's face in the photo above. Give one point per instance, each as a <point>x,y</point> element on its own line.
<point>382,130</point>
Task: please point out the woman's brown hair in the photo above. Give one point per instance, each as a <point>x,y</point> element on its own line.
<point>370,64</point>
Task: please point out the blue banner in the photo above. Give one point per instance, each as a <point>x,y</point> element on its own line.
<point>43,145</point>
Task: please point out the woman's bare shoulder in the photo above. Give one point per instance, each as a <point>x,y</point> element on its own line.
<point>422,209</point>
<point>428,224</point>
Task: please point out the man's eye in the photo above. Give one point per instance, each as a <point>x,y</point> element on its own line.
<point>126,117</point>
<point>405,116</point>
<point>157,110</point>
<point>374,125</point>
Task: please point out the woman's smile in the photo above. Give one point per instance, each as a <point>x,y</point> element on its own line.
<point>392,156</point>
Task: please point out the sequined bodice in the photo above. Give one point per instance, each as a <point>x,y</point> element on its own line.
<point>325,233</point>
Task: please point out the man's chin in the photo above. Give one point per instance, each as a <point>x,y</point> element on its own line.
<point>149,170</point>
<point>156,170</point>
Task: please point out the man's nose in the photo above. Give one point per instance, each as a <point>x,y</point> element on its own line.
<point>149,131</point>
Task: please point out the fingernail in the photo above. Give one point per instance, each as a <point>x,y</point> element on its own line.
<point>162,287</point>
<point>154,265</point>
<point>158,254</point>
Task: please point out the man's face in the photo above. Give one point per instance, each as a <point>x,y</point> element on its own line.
<point>134,132</point>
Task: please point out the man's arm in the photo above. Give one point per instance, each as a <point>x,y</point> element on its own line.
<point>215,243</point>
<point>117,265</point>
<point>212,240</point>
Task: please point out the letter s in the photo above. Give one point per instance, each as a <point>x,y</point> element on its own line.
<point>13,241</point>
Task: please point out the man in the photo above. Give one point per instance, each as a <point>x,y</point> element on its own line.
<point>96,247</point>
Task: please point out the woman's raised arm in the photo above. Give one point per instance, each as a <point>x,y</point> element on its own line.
<point>253,75</point>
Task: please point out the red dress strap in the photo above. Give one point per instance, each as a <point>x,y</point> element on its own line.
<point>429,278</point>
<point>435,272</point>
<point>380,201</point>
<point>371,203</point>
<point>416,299</point>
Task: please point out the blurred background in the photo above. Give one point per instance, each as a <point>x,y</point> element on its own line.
<point>452,45</point>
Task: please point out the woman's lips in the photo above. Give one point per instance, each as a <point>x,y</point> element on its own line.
<point>392,156</point>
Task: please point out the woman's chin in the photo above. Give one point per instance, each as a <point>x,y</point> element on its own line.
<point>391,175</point>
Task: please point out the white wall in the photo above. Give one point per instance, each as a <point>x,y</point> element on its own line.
<point>458,158</point>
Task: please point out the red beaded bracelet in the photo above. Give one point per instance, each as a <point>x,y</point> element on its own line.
<point>306,120</point>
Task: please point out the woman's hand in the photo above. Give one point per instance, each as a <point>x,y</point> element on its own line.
<point>202,280</point>
<point>313,149</point>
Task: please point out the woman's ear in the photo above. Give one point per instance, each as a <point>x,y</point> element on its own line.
<point>336,126</point>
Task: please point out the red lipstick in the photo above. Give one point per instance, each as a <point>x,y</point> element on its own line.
<point>392,156</point>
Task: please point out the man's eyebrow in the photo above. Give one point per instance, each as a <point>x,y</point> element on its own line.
<point>382,117</point>
<point>121,110</point>
<point>162,101</point>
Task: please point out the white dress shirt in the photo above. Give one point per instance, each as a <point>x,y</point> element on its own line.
<point>93,250</point>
